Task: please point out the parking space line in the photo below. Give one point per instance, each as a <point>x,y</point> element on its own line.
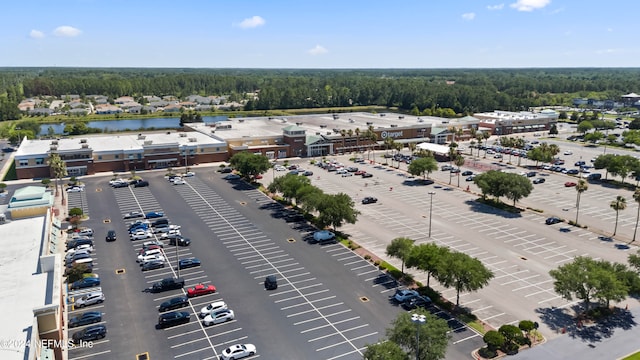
<point>312,310</point>
<point>368,272</point>
<point>481,309</point>
<point>511,274</point>
<point>467,338</point>
<point>231,341</point>
<point>352,262</point>
<point>493,316</point>
<point>88,355</point>
<point>188,342</point>
<point>361,267</point>
<point>321,317</point>
<point>190,353</point>
<point>520,279</point>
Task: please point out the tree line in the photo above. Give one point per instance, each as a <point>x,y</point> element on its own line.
<point>422,91</point>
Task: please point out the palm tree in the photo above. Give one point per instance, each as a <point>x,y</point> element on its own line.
<point>412,147</point>
<point>620,203</point>
<point>636,197</point>
<point>398,147</point>
<point>59,169</point>
<point>350,134</point>
<point>480,137</point>
<point>373,137</point>
<point>357,137</point>
<point>343,132</point>
<point>581,187</point>
<point>459,161</point>
<point>485,135</point>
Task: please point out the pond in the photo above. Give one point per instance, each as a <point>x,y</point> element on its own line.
<point>129,124</point>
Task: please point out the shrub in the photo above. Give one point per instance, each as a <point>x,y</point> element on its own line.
<point>75,212</point>
<point>494,340</point>
<point>376,263</point>
<point>367,257</point>
<point>397,274</point>
<point>487,353</point>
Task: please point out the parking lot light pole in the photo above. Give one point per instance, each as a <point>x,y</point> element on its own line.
<point>431,193</point>
<point>177,259</point>
<point>419,320</point>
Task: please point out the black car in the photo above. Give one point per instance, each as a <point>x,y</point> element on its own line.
<point>294,216</point>
<point>532,174</point>
<point>367,175</point>
<point>417,302</point>
<point>86,318</point>
<point>91,333</point>
<point>73,243</point>
<point>188,263</point>
<point>167,284</point>
<point>181,241</point>
<point>174,303</point>
<point>538,181</point>
<point>271,282</point>
<point>467,173</point>
<point>369,200</point>
<point>152,265</point>
<point>141,183</point>
<point>173,318</point>
<point>553,220</point>
<point>226,170</point>
<point>111,235</point>
<point>120,184</point>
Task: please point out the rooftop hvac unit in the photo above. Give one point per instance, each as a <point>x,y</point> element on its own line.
<point>193,139</point>
<point>141,137</point>
<point>183,135</point>
<point>328,132</point>
<point>241,120</point>
<point>148,142</point>
<point>83,141</point>
<point>85,146</point>
<point>54,142</point>
<point>53,147</point>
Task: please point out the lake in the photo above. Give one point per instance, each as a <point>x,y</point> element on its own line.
<point>130,124</point>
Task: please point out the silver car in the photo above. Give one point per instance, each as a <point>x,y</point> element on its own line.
<point>93,298</point>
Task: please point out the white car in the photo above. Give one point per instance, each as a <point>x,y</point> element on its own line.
<point>75,189</point>
<point>166,229</point>
<point>568,152</point>
<point>189,174</point>
<point>179,181</point>
<point>141,234</point>
<point>170,233</point>
<point>342,171</point>
<point>153,242</point>
<point>214,306</point>
<point>218,317</point>
<point>83,247</point>
<point>89,299</point>
<point>347,174</point>
<point>152,257</point>
<point>117,181</point>
<point>238,351</point>
<point>280,168</point>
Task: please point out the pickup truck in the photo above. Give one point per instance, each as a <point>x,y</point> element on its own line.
<point>167,284</point>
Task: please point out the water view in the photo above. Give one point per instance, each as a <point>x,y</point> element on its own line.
<point>129,124</point>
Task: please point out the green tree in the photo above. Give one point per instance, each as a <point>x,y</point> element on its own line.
<point>428,258</point>
<point>517,187</point>
<point>620,203</point>
<point>385,350</point>
<point>636,198</point>
<point>584,127</point>
<point>459,161</point>
<point>59,169</point>
<point>527,326</point>
<point>431,340</point>
<point>250,164</point>
<point>581,187</point>
<point>289,185</point>
<point>400,248</point>
<point>463,273</point>
<point>634,260</point>
<point>3,187</point>
<point>75,212</point>
<point>422,166</point>
<point>575,279</point>
<point>335,209</point>
<point>494,340</point>
<point>76,272</point>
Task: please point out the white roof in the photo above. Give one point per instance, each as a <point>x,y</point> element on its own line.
<point>22,288</point>
<point>436,148</point>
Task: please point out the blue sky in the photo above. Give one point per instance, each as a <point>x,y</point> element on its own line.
<point>320,34</point>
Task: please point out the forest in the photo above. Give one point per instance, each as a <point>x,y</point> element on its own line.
<point>464,91</point>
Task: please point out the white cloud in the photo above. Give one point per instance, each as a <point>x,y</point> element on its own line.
<point>468,16</point>
<point>529,5</point>
<point>609,30</point>
<point>36,34</point>
<point>66,31</point>
<point>495,7</point>
<point>318,50</point>
<point>251,22</point>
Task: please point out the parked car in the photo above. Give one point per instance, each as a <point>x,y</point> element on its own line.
<point>86,318</point>
<point>75,189</point>
<point>553,220</point>
<point>180,240</point>
<point>111,235</point>
<point>141,183</point>
<point>153,242</point>
<point>467,173</point>
<point>141,235</point>
<point>152,265</point>
<point>173,318</point>
<point>446,168</point>
<point>369,200</point>
<point>92,298</point>
<point>90,333</point>
<point>218,317</point>
<point>232,177</point>
<point>347,174</point>
<point>85,283</point>
<point>188,263</point>
<point>569,184</point>
<point>154,214</point>
<point>133,215</point>
<point>322,236</point>
<point>179,181</point>
<point>200,289</point>
<point>214,306</point>
<point>229,170</point>
<point>271,282</point>
<point>74,243</point>
<point>238,351</point>
<point>538,180</point>
<point>402,295</point>
<point>417,302</point>
<point>174,303</point>
<point>367,175</point>
<point>307,173</point>
<point>470,178</point>
<point>120,185</point>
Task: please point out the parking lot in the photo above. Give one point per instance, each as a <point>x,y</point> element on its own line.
<point>330,303</point>
<point>519,249</point>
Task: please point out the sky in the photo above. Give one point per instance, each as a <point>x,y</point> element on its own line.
<point>425,34</point>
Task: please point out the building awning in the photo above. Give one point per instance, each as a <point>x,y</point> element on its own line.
<point>162,160</point>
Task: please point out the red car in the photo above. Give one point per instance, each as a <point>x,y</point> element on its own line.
<point>359,172</point>
<point>201,289</point>
<point>150,247</point>
<point>258,176</point>
<point>569,184</point>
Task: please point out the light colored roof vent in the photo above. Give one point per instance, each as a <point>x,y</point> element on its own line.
<point>53,147</point>
<point>85,146</point>
<point>83,141</point>
<point>148,142</point>
<point>193,139</point>
<point>54,142</point>
<point>183,135</point>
